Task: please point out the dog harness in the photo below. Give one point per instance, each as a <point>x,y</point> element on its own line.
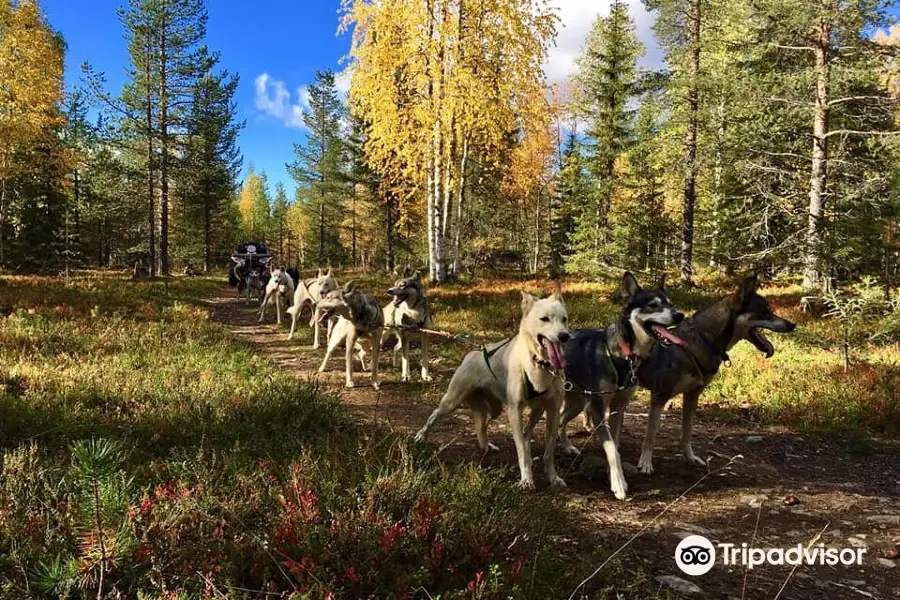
<point>532,391</point>
<point>372,323</point>
<point>622,383</point>
<point>712,350</point>
<point>487,354</point>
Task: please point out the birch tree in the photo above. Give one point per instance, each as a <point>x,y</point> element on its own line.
<point>31,74</point>
<point>437,79</point>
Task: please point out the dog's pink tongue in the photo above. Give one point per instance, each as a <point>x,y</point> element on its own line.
<point>554,354</point>
<point>670,337</point>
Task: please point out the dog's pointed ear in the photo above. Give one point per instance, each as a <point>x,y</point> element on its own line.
<point>746,289</point>
<point>557,292</point>
<point>527,302</point>
<point>330,272</point>
<point>630,286</point>
<point>349,286</point>
<point>405,273</point>
<point>660,282</point>
<point>319,272</point>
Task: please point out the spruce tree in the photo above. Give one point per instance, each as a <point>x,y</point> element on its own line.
<point>319,164</point>
<point>608,78</point>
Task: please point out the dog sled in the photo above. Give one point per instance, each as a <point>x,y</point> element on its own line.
<point>246,256</point>
<point>247,271</point>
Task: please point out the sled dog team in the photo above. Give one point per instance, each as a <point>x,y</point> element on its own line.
<point>546,367</point>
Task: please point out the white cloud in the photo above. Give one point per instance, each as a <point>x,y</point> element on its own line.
<point>342,81</point>
<point>274,99</point>
<point>576,18</point>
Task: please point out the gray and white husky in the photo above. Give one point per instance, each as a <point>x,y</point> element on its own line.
<point>359,327</point>
<point>407,312</point>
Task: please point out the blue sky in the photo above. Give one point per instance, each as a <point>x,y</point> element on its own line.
<point>276,46</point>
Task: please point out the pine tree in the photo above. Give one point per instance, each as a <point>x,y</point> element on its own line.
<point>279,218</point>
<point>165,44</point>
<point>320,163</point>
<point>641,229</point>
<point>572,191</point>
<point>608,78</point>
<point>212,159</point>
<point>808,127</point>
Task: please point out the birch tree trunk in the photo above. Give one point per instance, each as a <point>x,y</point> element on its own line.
<point>461,194</point>
<point>438,253</point>
<point>812,271</point>
<point>690,148</point>
<point>2,221</point>
<point>438,267</point>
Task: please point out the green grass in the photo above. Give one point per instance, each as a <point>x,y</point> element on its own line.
<point>143,442</point>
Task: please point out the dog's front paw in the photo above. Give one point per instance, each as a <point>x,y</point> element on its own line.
<point>571,450</point>
<point>316,346</point>
<point>619,487</point>
<point>426,377</point>
<point>350,384</point>
<point>692,459</point>
<point>322,369</point>
<point>376,385</point>
<point>645,465</point>
<point>526,484</point>
<point>557,483</point>
<point>404,378</point>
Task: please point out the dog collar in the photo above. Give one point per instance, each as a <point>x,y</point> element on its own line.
<point>722,354</point>
<point>541,362</point>
<point>626,350</point>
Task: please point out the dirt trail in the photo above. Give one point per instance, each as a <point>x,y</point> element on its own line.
<point>780,491</point>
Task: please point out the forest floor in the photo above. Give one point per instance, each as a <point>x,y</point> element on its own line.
<point>768,485</point>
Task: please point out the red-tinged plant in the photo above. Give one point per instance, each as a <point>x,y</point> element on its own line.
<point>391,536</point>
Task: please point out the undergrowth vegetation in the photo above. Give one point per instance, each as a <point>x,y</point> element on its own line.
<point>146,453</point>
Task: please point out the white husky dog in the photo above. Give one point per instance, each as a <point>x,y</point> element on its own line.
<point>525,370</point>
<point>309,293</point>
<point>279,291</point>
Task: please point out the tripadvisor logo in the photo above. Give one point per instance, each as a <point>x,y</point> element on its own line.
<point>696,555</point>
